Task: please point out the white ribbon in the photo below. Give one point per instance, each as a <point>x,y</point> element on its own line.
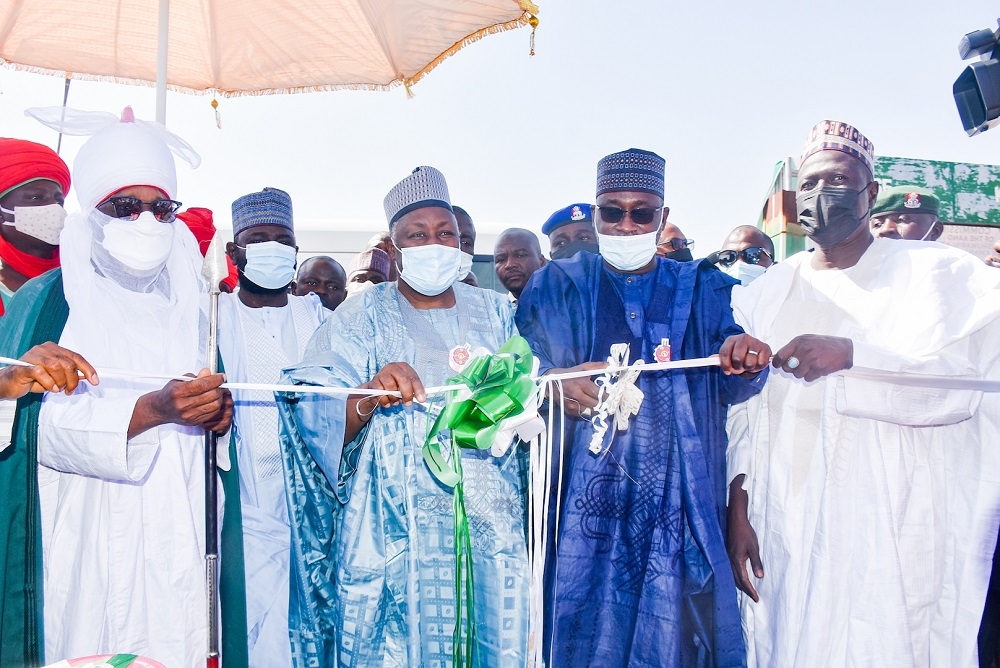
<point>894,378</point>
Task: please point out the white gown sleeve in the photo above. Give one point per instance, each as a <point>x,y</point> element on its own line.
<point>7,411</point>
<point>917,406</point>
<point>739,451</point>
<point>86,433</point>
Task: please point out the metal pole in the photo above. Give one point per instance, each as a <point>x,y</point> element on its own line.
<point>161,62</point>
<point>62,119</point>
<point>212,498</point>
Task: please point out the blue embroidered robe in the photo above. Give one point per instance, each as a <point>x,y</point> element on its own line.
<point>640,575</point>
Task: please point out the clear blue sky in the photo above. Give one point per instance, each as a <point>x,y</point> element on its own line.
<point>722,90</point>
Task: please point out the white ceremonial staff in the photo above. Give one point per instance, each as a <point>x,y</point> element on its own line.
<point>214,269</point>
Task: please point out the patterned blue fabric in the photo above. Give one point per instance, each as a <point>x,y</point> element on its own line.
<point>372,530</point>
<point>634,170</point>
<point>268,207</point>
<point>634,291</point>
<point>641,575</point>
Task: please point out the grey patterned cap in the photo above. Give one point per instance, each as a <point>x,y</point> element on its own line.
<point>423,188</point>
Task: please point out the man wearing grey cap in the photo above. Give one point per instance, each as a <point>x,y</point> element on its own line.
<point>263,329</point>
<point>378,584</point>
<point>641,575</point>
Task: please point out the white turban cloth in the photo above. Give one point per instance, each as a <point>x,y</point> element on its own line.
<point>120,153</point>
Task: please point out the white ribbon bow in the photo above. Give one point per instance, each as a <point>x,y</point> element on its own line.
<point>618,397</point>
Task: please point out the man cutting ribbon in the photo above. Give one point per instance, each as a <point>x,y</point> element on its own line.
<point>640,572</point>
<point>867,511</point>
<point>116,495</point>
<point>372,511</point>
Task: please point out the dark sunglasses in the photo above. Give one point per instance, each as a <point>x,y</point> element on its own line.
<point>677,244</point>
<point>640,216</point>
<point>728,258</point>
<point>129,208</point>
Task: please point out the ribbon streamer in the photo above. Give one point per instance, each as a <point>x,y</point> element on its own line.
<point>494,389</point>
<point>618,397</point>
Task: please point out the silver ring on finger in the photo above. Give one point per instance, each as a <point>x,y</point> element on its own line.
<point>792,362</point>
<point>752,352</point>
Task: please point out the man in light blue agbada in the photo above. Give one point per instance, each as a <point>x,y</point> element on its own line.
<point>372,528</point>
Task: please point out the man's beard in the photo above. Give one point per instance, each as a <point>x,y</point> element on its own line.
<point>250,286</point>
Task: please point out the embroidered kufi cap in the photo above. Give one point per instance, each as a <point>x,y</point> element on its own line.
<point>839,136</point>
<point>270,206</point>
<point>425,187</point>
<point>634,170</point>
<point>372,259</point>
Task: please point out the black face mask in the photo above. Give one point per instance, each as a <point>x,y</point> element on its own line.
<point>574,247</point>
<point>682,255</point>
<point>829,215</point>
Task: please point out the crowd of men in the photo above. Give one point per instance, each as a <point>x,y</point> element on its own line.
<point>824,494</point>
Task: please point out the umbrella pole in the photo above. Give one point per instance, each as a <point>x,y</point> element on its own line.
<point>212,499</point>
<point>161,62</point>
<point>63,118</point>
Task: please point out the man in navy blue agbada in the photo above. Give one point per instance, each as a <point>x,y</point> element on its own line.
<point>640,576</point>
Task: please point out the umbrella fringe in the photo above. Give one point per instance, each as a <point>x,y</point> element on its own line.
<point>519,22</point>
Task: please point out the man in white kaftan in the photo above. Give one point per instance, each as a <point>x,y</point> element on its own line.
<point>874,505</point>
<point>121,468</point>
<point>263,329</point>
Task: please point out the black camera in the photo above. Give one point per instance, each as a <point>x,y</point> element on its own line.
<point>977,89</point>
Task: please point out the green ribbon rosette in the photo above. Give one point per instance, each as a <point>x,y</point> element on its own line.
<point>495,387</point>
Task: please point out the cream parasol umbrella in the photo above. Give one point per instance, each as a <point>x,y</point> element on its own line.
<point>248,47</point>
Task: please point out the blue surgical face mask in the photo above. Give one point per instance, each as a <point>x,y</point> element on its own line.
<point>430,269</point>
<point>270,264</point>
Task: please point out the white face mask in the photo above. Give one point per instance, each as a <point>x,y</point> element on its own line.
<point>627,253</point>
<point>141,244</point>
<point>743,272</point>
<point>270,264</point>
<point>430,269</point>
<point>466,266</point>
<point>354,289</point>
<point>42,222</point>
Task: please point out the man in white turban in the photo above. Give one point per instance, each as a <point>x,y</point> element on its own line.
<point>119,502</point>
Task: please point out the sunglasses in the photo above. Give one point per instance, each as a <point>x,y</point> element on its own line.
<point>640,216</point>
<point>677,244</point>
<point>129,208</point>
<point>728,258</point>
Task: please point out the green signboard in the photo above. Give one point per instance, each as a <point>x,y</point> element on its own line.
<point>969,194</point>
